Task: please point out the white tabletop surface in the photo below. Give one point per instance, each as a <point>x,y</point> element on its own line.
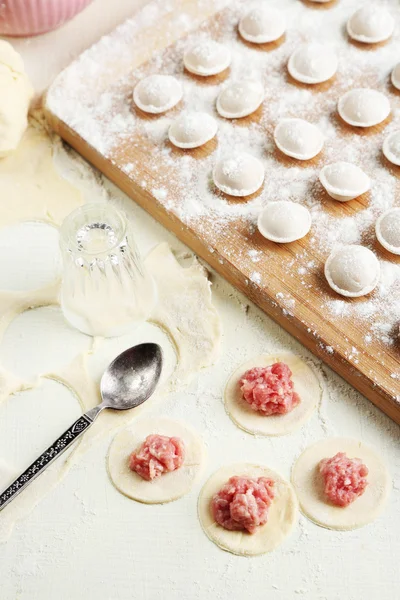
<point>87,541</point>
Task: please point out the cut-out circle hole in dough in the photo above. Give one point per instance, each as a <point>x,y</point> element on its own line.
<point>306,384</point>
<point>239,175</point>
<point>192,129</point>
<point>167,487</point>
<point>262,25</point>
<point>313,63</point>
<point>240,99</point>
<point>156,94</point>
<point>352,271</point>
<point>344,181</point>
<point>363,107</point>
<point>391,147</point>
<point>370,24</point>
<point>309,485</point>
<point>29,256</point>
<point>388,230</point>
<point>45,330</point>
<point>282,516</point>
<point>207,58</point>
<point>284,221</point>
<point>298,138</point>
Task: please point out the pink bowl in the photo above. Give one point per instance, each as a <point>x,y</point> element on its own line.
<point>32,17</point>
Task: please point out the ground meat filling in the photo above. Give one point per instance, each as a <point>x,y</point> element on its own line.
<point>243,503</point>
<point>269,390</point>
<point>345,479</point>
<point>157,455</point>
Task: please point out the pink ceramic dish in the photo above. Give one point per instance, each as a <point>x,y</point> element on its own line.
<point>32,17</point>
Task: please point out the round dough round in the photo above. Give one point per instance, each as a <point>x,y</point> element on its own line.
<point>283,513</point>
<point>239,175</point>
<point>395,76</point>
<point>156,94</point>
<point>306,385</point>
<point>298,138</point>
<point>284,221</point>
<point>310,489</point>
<point>387,230</point>
<point>363,107</point>
<point>207,58</point>
<point>370,24</point>
<point>313,63</point>
<point>192,129</point>
<point>344,181</point>
<point>240,99</point>
<point>352,271</point>
<point>167,487</point>
<point>391,148</point>
<point>262,25</point>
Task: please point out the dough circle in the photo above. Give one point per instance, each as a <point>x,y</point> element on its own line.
<point>156,94</point>
<point>308,484</point>
<point>370,24</point>
<point>283,513</point>
<point>284,221</point>
<point>391,147</point>
<point>239,175</point>
<point>192,129</point>
<point>344,181</point>
<point>395,76</point>
<point>298,138</point>
<point>240,99</point>
<point>306,385</point>
<point>207,58</point>
<point>352,271</point>
<point>313,63</point>
<point>167,487</point>
<point>387,230</point>
<point>363,107</point>
<point>262,25</point>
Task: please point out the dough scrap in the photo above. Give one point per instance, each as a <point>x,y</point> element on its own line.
<point>167,487</point>
<point>281,519</point>
<point>306,385</point>
<point>309,486</point>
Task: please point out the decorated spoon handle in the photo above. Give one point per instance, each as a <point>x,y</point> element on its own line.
<point>41,463</point>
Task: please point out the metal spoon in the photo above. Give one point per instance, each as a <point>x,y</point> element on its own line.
<point>128,381</point>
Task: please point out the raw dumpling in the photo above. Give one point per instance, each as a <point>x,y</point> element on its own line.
<point>388,230</point>
<point>157,93</point>
<point>352,271</point>
<point>240,99</point>
<point>370,24</point>
<point>284,221</point>
<point>344,181</point>
<point>391,147</point>
<point>395,77</point>
<point>313,63</point>
<point>363,107</point>
<point>192,129</point>
<point>239,175</point>
<point>298,138</point>
<point>262,25</point>
<point>207,58</point>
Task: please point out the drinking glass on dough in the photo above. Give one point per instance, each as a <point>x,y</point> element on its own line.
<point>106,289</point>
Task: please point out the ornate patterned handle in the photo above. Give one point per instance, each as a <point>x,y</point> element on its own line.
<point>45,459</point>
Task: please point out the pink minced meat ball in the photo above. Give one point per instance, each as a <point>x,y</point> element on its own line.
<point>157,455</point>
<point>243,503</point>
<point>345,478</point>
<point>269,390</point>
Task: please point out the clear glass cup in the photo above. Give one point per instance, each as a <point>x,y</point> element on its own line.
<point>106,289</point>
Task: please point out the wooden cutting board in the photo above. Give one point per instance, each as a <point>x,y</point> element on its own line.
<point>278,282</point>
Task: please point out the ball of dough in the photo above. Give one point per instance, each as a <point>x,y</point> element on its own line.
<point>306,385</point>
<point>156,94</point>
<point>284,221</point>
<point>169,486</point>
<point>262,25</point>
<point>352,271</point>
<point>239,175</point>
<point>363,107</point>
<point>344,181</point>
<point>282,515</point>
<point>310,489</point>
<point>192,129</point>
<point>207,58</point>
<point>240,99</point>
<point>298,138</point>
<point>16,94</point>
<point>395,76</point>
<point>370,24</point>
<point>391,147</point>
<point>313,63</point>
<point>388,230</point>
